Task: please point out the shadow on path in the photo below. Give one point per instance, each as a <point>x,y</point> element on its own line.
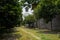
<point>48,32</point>
<point>9,34</point>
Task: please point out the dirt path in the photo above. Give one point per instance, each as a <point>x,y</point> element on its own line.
<point>38,38</point>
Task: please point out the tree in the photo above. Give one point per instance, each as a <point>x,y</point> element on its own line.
<point>10,13</point>
<point>47,9</point>
<point>33,2</point>
<point>30,19</point>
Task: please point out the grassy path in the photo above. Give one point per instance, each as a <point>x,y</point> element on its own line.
<point>38,38</point>
<point>44,34</point>
<point>26,35</point>
<point>35,34</point>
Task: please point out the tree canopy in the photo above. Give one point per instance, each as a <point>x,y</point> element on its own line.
<point>29,19</point>
<point>33,2</point>
<point>47,9</point>
<point>10,13</point>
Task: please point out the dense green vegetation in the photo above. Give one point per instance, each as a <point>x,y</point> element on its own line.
<point>10,13</point>
<point>47,9</point>
<point>30,19</point>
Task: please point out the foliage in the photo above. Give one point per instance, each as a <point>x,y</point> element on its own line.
<point>47,9</point>
<point>10,13</point>
<point>33,2</point>
<point>29,19</point>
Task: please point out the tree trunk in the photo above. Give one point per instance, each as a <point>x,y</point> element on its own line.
<point>51,24</point>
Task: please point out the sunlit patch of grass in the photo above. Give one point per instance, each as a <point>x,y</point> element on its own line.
<point>24,36</point>
<point>43,36</point>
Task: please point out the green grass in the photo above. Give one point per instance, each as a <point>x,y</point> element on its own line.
<point>43,36</point>
<point>24,36</point>
<point>36,32</point>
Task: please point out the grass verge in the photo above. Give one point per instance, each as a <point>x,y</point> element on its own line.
<point>24,35</point>
<point>44,34</point>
